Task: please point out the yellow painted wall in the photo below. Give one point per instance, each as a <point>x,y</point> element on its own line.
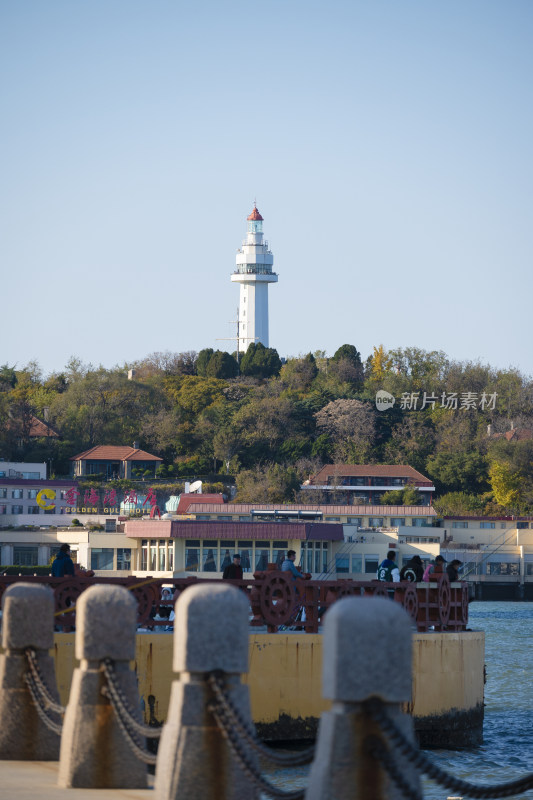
<point>286,670</point>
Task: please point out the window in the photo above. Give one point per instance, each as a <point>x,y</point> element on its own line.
<point>3,509</point>
<point>16,510</point>
<point>32,510</point>
<point>209,557</point>
<point>25,556</point>
<point>371,564</point>
<point>342,563</point>
<point>503,568</point>
<point>487,525</point>
<point>419,522</point>
<point>16,494</point>
<point>460,524</point>
<point>245,549</point>
<point>192,555</point>
<point>397,521</point>
<point>529,568</point>
<point>333,519</point>
<point>123,558</point>
<point>3,493</point>
<point>32,494</point>
<point>522,525</point>
<point>375,522</point>
<point>357,563</point>
<point>102,558</point>
<point>355,521</point>
<point>31,476</point>
<point>244,519</point>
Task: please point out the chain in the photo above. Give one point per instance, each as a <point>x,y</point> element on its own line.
<point>374,707</point>
<point>56,727</point>
<point>39,684</point>
<point>247,732</point>
<point>242,758</point>
<point>138,749</point>
<point>377,749</point>
<point>120,702</point>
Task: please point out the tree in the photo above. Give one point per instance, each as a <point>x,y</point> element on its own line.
<point>458,472</point>
<point>458,504</point>
<point>221,365</point>
<point>260,361</point>
<point>204,357</point>
<point>505,483</point>
<point>351,425</point>
<point>299,373</point>
<point>347,352</point>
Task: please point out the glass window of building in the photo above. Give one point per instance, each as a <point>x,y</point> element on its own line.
<point>397,521</point>
<point>419,522</point>
<point>32,510</point>
<point>3,509</point>
<point>192,555</point>
<point>25,556</point>
<point>371,563</point>
<point>375,522</point>
<point>342,563</point>
<point>333,519</point>
<point>245,549</point>
<point>16,494</point>
<point>487,525</point>
<point>210,556</point>
<point>522,525</point>
<point>503,568</point>
<point>32,494</point>
<point>16,509</point>
<point>162,556</point>
<point>460,524</point>
<point>262,555</point>
<point>152,560</point>
<point>3,493</point>
<point>279,552</point>
<point>102,558</point>
<point>355,521</point>
<point>357,563</point>
<point>123,558</point>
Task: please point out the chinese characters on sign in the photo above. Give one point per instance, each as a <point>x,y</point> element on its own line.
<point>452,401</point>
<point>409,401</point>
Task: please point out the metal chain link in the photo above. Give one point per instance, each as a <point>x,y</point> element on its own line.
<point>375,708</point>
<point>248,733</point>
<point>140,752</point>
<point>39,683</point>
<point>56,727</point>
<point>120,700</point>
<point>377,749</point>
<point>242,758</point>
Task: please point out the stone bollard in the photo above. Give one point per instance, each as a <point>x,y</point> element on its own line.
<point>367,653</point>
<point>194,760</point>
<point>94,751</point>
<point>27,621</point>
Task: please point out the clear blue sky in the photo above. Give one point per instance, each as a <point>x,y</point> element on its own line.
<point>388,144</point>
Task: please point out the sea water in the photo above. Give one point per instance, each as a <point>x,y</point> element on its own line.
<point>507,749</point>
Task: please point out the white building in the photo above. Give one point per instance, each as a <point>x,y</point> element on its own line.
<point>254,273</point>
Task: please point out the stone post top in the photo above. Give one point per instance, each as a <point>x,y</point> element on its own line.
<point>28,616</point>
<point>106,623</point>
<point>367,651</point>
<point>211,629</point>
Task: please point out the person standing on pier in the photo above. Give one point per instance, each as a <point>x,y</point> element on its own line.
<point>233,571</point>
<point>62,564</point>
<point>388,570</point>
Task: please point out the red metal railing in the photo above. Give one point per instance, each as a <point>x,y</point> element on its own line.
<point>277,600</point>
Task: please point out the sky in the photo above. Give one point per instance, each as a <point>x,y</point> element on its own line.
<point>387,144</point>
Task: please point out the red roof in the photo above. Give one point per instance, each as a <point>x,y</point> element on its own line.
<point>39,429</point>
<point>198,499</point>
<point>368,471</point>
<point>255,214</point>
<point>304,531</point>
<point>110,452</point>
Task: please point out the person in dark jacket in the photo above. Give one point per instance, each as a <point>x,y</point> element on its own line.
<point>453,571</point>
<point>413,570</point>
<point>234,570</point>
<point>62,564</point>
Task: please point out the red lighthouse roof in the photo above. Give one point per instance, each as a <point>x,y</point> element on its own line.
<point>255,215</point>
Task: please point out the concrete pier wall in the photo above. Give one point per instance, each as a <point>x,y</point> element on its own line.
<point>285,683</point>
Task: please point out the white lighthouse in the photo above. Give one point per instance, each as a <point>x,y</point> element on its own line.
<point>254,273</point>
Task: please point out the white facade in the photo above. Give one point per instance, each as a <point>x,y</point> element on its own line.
<point>254,272</point>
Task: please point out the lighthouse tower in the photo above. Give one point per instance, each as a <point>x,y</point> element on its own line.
<point>254,273</point>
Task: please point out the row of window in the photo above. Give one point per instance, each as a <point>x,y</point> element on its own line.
<point>489,525</point>
<point>16,509</point>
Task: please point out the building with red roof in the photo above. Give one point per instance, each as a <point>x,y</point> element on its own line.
<point>114,461</point>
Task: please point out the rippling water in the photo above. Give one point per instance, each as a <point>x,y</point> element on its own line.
<point>507,750</point>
